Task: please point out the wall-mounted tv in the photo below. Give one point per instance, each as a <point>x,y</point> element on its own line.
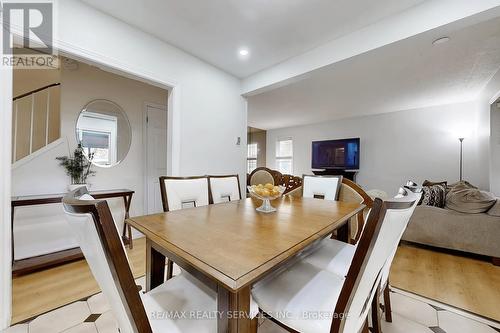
<point>336,154</point>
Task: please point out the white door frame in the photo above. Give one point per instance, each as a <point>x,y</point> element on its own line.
<point>5,193</point>
<point>145,141</point>
<point>101,61</point>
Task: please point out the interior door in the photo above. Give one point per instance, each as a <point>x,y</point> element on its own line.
<point>156,161</point>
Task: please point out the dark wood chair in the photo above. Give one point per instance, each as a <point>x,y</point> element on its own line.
<point>352,192</point>
<point>180,193</point>
<point>384,283</point>
<point>224,188</point>
<point>349,192</point>
<point>184,192</point>
<point>95,230</point>
<point>307,289</point>
<point>265,175</point>
<point>321,187</point>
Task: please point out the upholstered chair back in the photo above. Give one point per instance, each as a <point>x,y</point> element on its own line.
<point>382,234</point>
<point>224,188</point>
<point>387,267</point>
<point>179,193</point>
<point>262,176</point>
<point>352,192</point>
<point>321,187</point>
<point>93,226</point>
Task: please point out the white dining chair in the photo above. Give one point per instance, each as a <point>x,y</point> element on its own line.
<point>224,188</point>
<point>384,281</point>
<point>135,312</point>
<point>321,187</point>
<point>336,257</point>
<point>331,254</point>
<point>307,298</point>
<point>181,193</point>
<point>184,192</point>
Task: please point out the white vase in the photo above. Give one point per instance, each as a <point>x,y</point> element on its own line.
<point>73,187</point>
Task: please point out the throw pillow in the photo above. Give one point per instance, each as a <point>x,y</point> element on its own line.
<point>433,196</point>
<point>462,184</point>
<point>444,183</point>
<point>495,210</point>
<point>465,198</point>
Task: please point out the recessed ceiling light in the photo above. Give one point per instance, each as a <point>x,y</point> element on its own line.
<point>441,40</point>
<point>243,52</point>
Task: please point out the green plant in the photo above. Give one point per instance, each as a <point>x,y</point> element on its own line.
<point>77,167</point>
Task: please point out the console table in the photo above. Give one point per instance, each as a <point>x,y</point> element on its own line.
<point>27,265</point>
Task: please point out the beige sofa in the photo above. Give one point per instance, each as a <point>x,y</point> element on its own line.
<point>449,229</point>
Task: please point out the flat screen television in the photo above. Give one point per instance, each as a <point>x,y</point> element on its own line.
<point>336,154</point>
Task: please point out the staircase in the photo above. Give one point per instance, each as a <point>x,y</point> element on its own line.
<point>35,120</point>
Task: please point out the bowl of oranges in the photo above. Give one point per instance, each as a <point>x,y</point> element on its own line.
<point>266,193</point>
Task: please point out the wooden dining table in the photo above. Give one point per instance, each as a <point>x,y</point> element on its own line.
<point>230,246</point>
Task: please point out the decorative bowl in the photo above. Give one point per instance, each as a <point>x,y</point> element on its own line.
<point>258,191</point>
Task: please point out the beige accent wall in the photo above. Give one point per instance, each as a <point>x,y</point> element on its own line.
<point>26,80</point>
<point>46,108</point>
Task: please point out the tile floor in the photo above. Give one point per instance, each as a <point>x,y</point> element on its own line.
<point>411,314</point>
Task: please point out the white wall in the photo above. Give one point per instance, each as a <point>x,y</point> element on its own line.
<point>207,97</point>
<point>414,144</point>
<point>5,158</point>
<point>488,104</point>
<point>495,149</point>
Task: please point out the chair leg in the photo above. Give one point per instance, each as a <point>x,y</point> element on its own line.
<point>365,327</point>
<point>376,313</point>
<point>254,325</point>
<point>387,304</point>
<point>130,245</point>
<point>170,269</point>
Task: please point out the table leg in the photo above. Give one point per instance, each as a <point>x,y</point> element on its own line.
<point>170,269</point>
<point>130,244</point>
<point>344,232</point>
<point>155,267</point>
<point>234,311</point>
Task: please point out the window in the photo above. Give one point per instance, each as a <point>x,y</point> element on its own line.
<point>97,143</point>
<point>252,157</point>
<point>98,135</point>
<point>284,156</point>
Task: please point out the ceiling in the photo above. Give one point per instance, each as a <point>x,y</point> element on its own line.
<point>408,74</point>
<point>273,31</point>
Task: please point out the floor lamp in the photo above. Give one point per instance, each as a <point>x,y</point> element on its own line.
<point>461,156</point>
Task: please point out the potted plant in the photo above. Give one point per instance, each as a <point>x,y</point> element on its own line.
<point>78,168</point>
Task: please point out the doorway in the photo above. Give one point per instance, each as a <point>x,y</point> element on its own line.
<point>155,141</point>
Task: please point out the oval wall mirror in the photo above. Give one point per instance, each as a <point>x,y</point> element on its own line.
<point>104,132</point>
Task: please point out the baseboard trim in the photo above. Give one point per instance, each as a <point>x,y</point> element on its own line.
<point>37,153</point>
<point>449,251</point>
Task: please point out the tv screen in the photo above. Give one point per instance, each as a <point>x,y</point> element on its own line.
<point>336,154</point>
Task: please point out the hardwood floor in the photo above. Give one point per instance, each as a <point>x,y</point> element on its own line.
<point>465,283</point>
<point>470,284</point>
<point>43,291</point>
